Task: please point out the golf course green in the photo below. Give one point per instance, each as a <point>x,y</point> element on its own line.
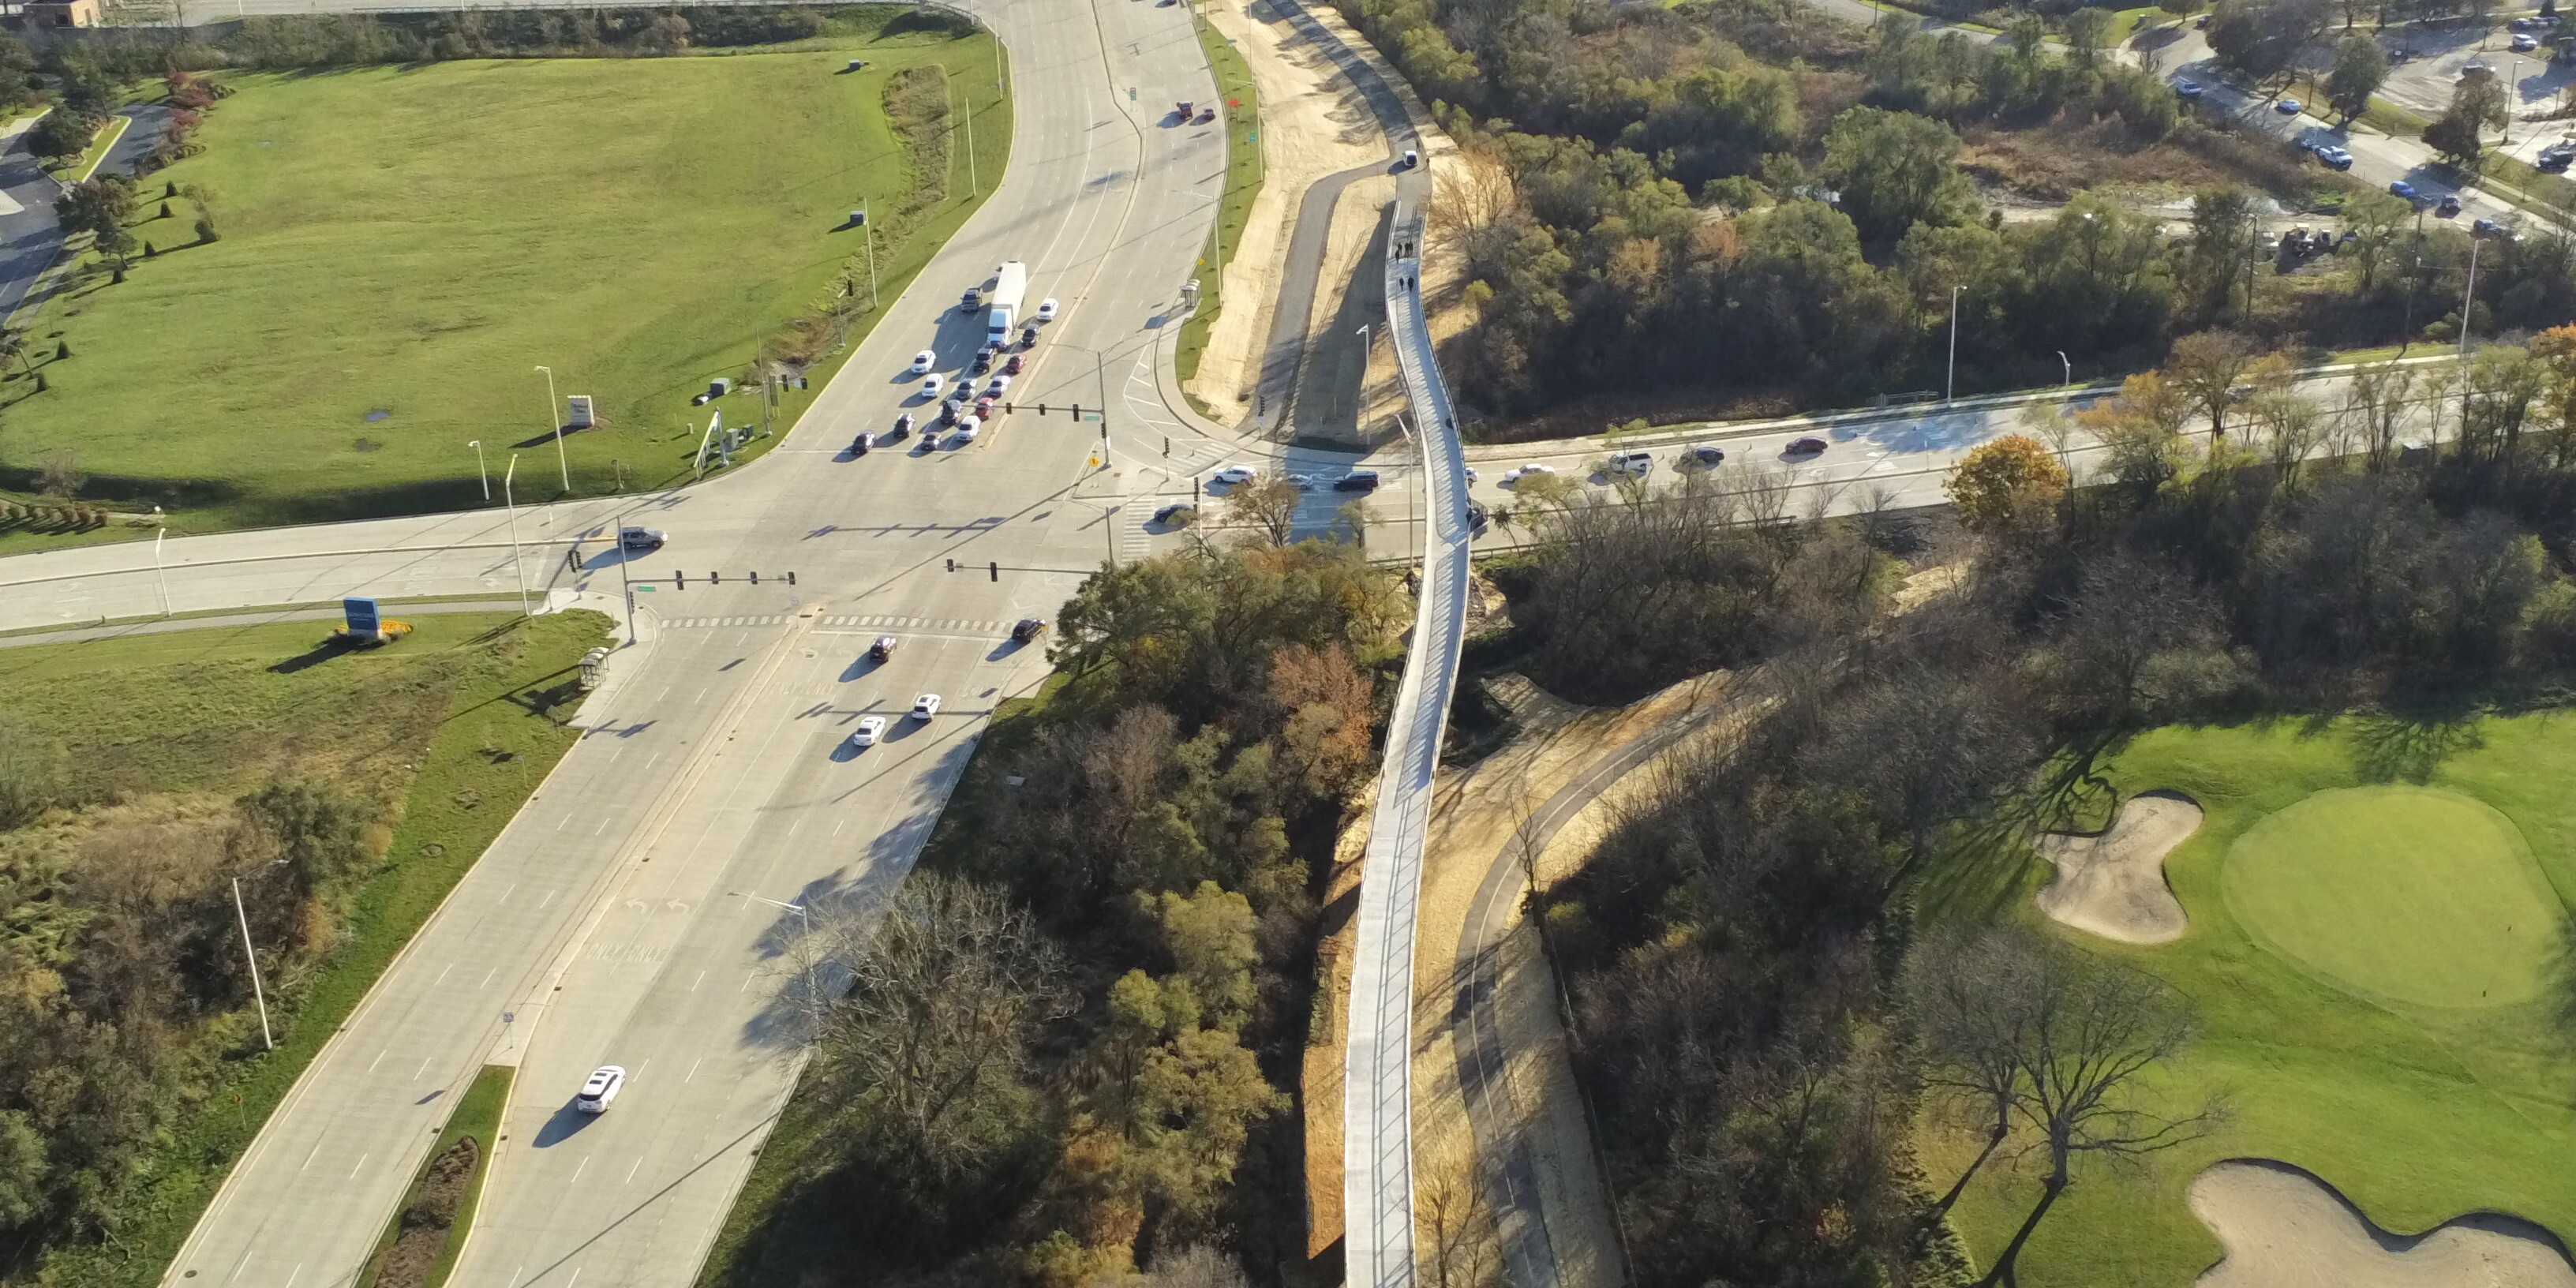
<point>402,247</point>
<point>2376,967</point>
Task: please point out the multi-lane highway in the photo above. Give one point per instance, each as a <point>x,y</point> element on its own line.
<point>619,918</point>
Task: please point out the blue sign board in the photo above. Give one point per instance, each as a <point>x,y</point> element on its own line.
<point>363,617</point>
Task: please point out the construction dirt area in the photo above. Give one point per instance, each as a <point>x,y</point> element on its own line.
<point>1315,125</point>
<point>2284,1228</point>
<point>2112,883</point>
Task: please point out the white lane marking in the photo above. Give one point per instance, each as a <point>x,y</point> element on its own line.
<point>639,1166</point>
<point>576,1270</point>
<point>487,979</point>
<point>702,696</point>
<point>666,692</point>
<point>566,819</point>
<point>291,1274</point>
<point>693,1074</point>
<point>308,1158</point>
<point>693,984</point>
<point>353,1173</point>
<point>576,1174</point>
<point>514,1276</point>
<point>649,764</point>
<point>550,898</point>
<point>603,826</point>
<point>612,756</point>
<point>514,889</point>
<point>836,827</point>
<point>380,1059</point>
<point>424,1067</point>
<point>442,975</point>
<point>791,828</point>
<point>746,982</point>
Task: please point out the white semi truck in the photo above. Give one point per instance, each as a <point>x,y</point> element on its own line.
<point>1010,282</point>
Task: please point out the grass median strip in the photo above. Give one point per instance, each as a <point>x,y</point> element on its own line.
<point>422,1242</point>
<point>1243,176</point>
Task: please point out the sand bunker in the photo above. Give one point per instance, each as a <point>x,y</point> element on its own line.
<point>2113,883</point>
<point>2284,1228</point>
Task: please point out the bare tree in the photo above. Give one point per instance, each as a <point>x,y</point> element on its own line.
<point>1465,1248</point>
<point>2207,365</point>
<point>1265,503</point>
<point>1958,991</point>
<point>1196,1266</point>
<point>2290,424</point>
<point>949,983</point>
<point>2089,1030</point>
<point>2376,397</point>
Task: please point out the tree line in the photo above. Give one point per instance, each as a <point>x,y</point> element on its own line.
<point>1061,1053</point>
<point>1758,1015</point>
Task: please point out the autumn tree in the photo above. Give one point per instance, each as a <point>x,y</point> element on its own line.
<point>1266,504</point>
<point>2009,487</point>
<point>2208,366</point>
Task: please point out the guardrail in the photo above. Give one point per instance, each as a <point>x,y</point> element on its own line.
<point>1377,1091</point>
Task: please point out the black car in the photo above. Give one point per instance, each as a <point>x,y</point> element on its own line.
<point>1028,629</point>
<point>947,414</point>
<point>1356,481</point>
<point>882,649</point>
<point>859,446</point>
<point>2449,207</point>
<point>902,427</point>
<point>1707,455</point>
<point>983,361</point>
<point>1176,514</point>
<point>1807,447</point>
<point>1029,336</point>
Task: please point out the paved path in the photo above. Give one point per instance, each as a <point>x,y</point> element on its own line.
<point>171,626</point>
<point>1502,1138</point>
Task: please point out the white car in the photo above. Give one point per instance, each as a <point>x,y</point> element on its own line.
<point>601,1091</point>
<point>967,428</point>
<point>1631,462</point>
<point>1233,474</point>
<point>923,361</point>
<point>993,388</point>
<point>1525,471</point>
<point>932,384</point>
<point>870,729</point>
<point>925,706</point>
<point>1046,309</point>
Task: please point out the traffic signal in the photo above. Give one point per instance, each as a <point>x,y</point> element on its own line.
<point>755,576</point>
<point>679,580</point>
<point>715,579</point>
<point>997,570</point>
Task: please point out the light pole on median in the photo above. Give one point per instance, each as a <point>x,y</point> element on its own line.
<point>554,413</point>
<point>159,532</point>
<point>257,990</point>
<point>479,471</point>
<point>1950,386</point>
<point>813,1017</point>
<point>511,503</point>
<point>2070,370</point>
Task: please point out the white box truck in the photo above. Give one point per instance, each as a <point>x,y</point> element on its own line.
<point>1010,282</point>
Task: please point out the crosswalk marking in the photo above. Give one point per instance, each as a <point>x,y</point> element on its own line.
<point>957,624</point>
<point>689,623</point>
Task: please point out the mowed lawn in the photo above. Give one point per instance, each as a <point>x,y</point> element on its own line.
<point>2380,976</point>
<point>414,241</point>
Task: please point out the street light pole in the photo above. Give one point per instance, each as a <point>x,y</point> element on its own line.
<point>1950,386</point>
<point>2070,369</point>
<point>868,227</point>
<point>2468,308</point>
<point>554,412</point>
<point>257,990</point>
<point>813,1017</point>
<point>624,581</point>
<point>511,503</point>
<point>157,574</point>
<point>479,471</point>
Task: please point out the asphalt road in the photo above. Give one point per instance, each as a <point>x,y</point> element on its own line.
<point>604,925</point>
<point>29,238</point>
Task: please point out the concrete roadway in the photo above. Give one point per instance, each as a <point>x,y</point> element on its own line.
<point>603,927</point>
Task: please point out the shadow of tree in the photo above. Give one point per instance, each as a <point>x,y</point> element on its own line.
<point>2407,744</point>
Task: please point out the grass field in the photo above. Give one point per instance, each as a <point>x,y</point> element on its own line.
<point>402,246</point>
<point>1243,175</point>
<point>446,719</point>
<point>2418,1111</point>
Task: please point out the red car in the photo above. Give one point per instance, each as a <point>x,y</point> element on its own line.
<point>1012,367</point>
